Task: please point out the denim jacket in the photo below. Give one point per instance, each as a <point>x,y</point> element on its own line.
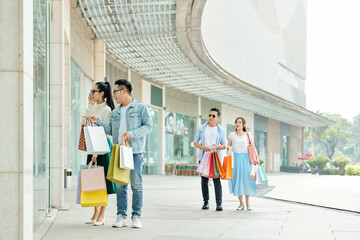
<point>200,138</point>
<point>138,124</point>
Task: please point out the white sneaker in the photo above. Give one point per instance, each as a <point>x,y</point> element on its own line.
<point>136,222</point>
<point>120,221</point>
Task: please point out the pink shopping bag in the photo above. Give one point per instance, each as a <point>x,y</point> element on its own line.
<point>93,179</point>
<point>203,163</point>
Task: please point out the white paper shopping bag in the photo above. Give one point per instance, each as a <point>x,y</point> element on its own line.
<point>96,142</point>
<point>126,160</point>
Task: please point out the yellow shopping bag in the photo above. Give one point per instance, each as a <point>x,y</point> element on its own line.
<point>93,199</point>
<point>116,174</point>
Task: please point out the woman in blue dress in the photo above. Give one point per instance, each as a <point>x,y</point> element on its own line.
<point>241,184</point>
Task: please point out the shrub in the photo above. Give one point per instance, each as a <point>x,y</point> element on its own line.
<point>352,170</point>
<point>341,161</point>
<point>311,162</point>
<point>321,161</point>
<point>331,171</point>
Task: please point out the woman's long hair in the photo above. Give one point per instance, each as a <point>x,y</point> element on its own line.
<point>106,88</point>
<point>243,121</point>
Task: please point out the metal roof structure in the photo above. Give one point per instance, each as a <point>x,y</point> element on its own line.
<point>162,41</point>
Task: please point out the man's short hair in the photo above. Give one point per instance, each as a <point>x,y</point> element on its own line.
<point>216,110</point>
<point>125,83</point>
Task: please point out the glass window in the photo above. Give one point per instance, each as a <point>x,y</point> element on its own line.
<point>78,105</point>
<point>260,144</point>
<point>179,133</point>
<point>151,157</point>
<point>284,150</point>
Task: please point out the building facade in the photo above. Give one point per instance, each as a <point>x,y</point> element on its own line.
<point>247,58</point>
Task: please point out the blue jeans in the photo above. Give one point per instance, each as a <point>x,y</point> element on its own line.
<point>136,187</point>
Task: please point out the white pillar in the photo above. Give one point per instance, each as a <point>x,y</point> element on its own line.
<point>99,60</point>
<point>57,104</point>
<point>162,133</point>
<point>16,77</point>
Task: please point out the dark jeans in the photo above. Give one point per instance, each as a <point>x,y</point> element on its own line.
<point>205,189</point>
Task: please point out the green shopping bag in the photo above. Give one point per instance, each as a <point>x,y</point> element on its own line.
<point>264,179</point>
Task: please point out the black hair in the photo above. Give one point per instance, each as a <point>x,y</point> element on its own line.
<point>106,88</point>
<point>243,121</point>
<point>125,83</point>
<point>216,110</point>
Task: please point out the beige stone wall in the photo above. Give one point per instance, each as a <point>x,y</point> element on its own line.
<point>272,145</point>
<point>295,145</point>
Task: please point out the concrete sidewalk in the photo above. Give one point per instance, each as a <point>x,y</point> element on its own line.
<point>172,210</point>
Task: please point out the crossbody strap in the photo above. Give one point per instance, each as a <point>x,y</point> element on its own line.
<point>248,138</point>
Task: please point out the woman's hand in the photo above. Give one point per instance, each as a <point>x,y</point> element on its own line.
<point>91,99</point>
<point>94,159</point>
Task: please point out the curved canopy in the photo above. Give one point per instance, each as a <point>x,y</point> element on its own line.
<point>162,41</point>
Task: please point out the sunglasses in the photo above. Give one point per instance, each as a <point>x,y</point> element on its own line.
<point>92,91</point>
<point>114,91</point>
<point>212,115</point>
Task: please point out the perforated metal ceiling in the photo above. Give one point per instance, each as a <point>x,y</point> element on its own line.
<point>142,34</point>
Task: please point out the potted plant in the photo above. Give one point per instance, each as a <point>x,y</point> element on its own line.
<point>341,162</point>
<point>320,162</point>
<point>312,164</point>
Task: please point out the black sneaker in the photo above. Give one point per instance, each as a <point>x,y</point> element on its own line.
<point>206,205</point>
<point>219,207</point>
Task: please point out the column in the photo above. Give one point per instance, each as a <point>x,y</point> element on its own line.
<point>99,60</point>
<point>57,104</point>
<point>16,74</point>
<point>162,133</point>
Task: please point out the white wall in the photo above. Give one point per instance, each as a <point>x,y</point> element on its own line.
<point>249,38</point>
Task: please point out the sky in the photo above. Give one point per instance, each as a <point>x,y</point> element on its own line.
<point>333,57</point>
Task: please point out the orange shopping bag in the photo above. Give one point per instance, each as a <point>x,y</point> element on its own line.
<point>227,166</point>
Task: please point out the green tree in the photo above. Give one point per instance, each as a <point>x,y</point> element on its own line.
<point>332,135</point>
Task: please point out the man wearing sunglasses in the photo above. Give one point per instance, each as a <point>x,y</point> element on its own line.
<point>211,136</point>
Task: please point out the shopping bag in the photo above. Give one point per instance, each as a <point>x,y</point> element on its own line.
<point>252,152</point>
<point>116,174</point>
<point>253,172</point>
<point>94,199</point>
<point>126,160</point>
<point>96,141</point>
<point>216,168</point>
<point>93,179</point>
<point>78,192</point>
<point>212,166</point>
<point>203,162</point>
<point>258,176</point>
<point>207,166</point>
<point>218,163</point>
<point>264,179</point>
<point>82,144</point>
<point>227,167</point>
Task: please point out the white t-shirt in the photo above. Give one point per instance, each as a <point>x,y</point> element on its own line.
<point>239,143</point>
<point>210,136</point>
<point>122,128</point>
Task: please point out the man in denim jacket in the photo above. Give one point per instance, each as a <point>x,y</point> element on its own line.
<point>131,121</point>
<point>211,136</point>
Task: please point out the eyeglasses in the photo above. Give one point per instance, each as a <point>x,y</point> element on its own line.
<point>92,91</point>
<point>212,115</point>
<point>114,91</point>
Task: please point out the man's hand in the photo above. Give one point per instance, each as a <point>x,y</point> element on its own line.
<point>206,149</point>
<point>126,136</point>
<point>92,118</point>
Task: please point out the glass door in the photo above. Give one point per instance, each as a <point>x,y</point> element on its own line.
<point>41,163</point>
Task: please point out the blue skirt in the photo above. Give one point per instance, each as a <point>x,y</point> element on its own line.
<point>241,183</point>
